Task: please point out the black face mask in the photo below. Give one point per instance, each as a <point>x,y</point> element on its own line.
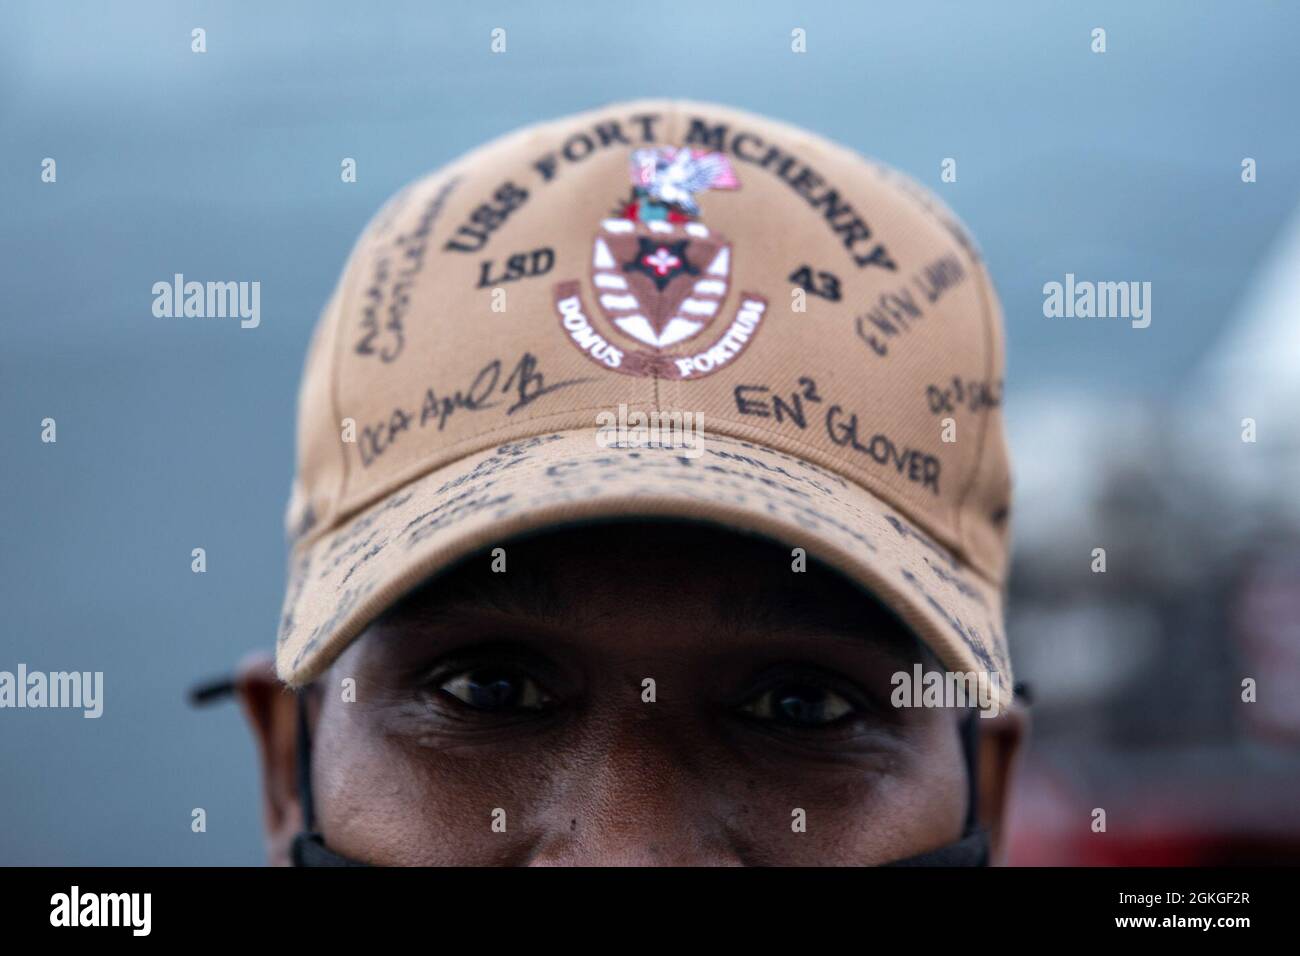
<point>972,849</point>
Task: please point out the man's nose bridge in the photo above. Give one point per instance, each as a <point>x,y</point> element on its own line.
<point>643,800</point>
<point>643,759</point>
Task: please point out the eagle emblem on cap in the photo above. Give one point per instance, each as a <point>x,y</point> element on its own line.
<point>659,274</point>
<point>668,178</point>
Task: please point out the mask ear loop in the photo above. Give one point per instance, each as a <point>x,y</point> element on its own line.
<point>309,847</point>
<point>972,848</point>
<point>304,766</point>
<point>970,739</point>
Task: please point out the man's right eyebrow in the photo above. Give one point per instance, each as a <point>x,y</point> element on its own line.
<point>528,595</point>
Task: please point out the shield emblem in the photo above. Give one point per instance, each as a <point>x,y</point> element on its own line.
<point>660,282</point>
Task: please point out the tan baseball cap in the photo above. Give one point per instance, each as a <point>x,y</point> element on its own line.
<point>815,338</point>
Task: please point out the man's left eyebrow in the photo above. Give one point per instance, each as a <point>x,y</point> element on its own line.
<point>806,614</point>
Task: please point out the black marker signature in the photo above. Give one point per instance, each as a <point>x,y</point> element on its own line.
<point>525,383</point>
<point>530,384</point>
<point>475,399</point>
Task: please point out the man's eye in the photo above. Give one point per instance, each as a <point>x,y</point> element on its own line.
<point>798,705</point>
<point>495,689</point>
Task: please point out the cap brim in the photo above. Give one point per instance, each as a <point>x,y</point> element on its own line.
<point>342,580</point>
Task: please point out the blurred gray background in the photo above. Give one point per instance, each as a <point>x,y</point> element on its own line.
<point>175,435</point>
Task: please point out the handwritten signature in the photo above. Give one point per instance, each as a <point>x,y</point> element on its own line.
<point>523,385</point>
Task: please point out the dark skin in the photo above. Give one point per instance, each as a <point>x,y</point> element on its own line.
<point>524,692</point>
